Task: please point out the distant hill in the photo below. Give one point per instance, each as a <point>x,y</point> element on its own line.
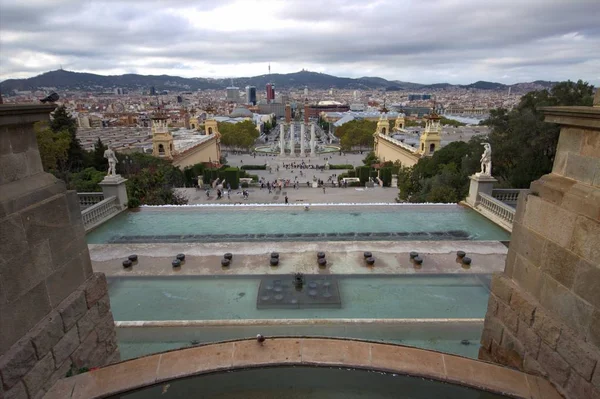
<point>68,80</point>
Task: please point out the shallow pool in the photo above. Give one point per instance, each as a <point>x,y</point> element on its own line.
<point>235,297</point>
<point>329,223</point>
<point>307,383</point>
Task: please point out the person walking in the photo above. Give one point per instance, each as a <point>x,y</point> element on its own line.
<point>286,199</point>
<point>323,188</point>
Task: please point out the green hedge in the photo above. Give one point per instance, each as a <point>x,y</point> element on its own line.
<point>341,166</point>
<point>232,175</point>
<point>385,174</point>
<point>254,167</point>
<point>363,173</point>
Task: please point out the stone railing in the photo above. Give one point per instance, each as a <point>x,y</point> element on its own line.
<point>507,195</point>
<point>495,210</point>
<point>100,212</point>
<point>88,199</point>
<point>398,143</point>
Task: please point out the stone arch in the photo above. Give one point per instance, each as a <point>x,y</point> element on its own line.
<point>431,147</point>
<point>383,130</point>
<point>171,147</point>
<point>194,126</point>
<point>161,149</point>
<point>210,130</point>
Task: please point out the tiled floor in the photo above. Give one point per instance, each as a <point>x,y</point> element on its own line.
<point>302,351</point>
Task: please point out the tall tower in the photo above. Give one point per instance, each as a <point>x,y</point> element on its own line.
<point>162,139</point>
<point>383,124</point>
<point>431,138</point>
<point>212,127</point>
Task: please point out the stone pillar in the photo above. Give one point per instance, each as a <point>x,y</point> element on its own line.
<point>282,139</point>
<point>114,186</point>
<point>543,313</point>
<point>312,140</point>
<point>292,144</point>
<point>54,310</point>
<point>302,133</point>
<point>479,184</point>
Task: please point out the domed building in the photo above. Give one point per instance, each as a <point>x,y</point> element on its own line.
<point>241,112</point>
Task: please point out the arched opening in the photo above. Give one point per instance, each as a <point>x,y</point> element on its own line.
<point>171,147</point>
<point>431,147</point>
<point>422,146</point>
<point>210,130</point>
<point>383,130</point>
<point>194,126</point>
<point>161,149</point>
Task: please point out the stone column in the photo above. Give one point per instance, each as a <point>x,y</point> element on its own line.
<point>302,132</point>
<point>114,186</point>
<point>292,145</point>
<point>479,184</point>
<point>54,310</point>
<point>543,314</point>
<point>312,140</point>
<point>282,139</point>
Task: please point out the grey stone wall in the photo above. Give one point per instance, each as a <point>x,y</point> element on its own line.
<point>44,263</point>
<point>544,311</point>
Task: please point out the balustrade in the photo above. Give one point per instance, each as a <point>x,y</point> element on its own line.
<point>99,212</point>
<point>88,199</point>
<point>496,207</point>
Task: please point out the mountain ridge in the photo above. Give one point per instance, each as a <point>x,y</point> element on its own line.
<point>69,80</point>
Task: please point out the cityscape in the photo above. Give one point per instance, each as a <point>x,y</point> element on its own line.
<point>267,199</point>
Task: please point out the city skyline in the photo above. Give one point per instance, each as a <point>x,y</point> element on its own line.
<point>424,42</point>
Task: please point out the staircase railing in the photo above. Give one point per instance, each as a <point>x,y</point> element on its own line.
<point>99,212</point>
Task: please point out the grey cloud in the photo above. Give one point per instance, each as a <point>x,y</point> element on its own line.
<point>420,39</point>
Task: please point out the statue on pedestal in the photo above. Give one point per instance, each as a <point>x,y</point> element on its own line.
<point>486,160</point>
<point>112,161</point>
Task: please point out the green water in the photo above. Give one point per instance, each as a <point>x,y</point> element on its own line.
<point>332,223</point>
<point>234,297</point>
<point>307,383</point>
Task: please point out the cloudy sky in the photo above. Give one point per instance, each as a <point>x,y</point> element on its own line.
<point>425,41</point>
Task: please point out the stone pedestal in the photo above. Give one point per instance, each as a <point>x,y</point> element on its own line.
<point>281,140</point>
<point>479,184</point>
<point>115,186</point>
<point>292,144</point>
<point>312,140</point>
<point>302,131</point>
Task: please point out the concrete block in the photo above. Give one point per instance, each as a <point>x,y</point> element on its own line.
<point>72,309</point>
<point>13,239</point>
<point>67,247</point>
<point>17,362</point>
<point>46,219</point>
<point>552,188</point>
<point>527,243</point>
<point>103,305</point>
<point>21,139</point>
<point>81,357</point>
<point>509,265</point>
<point>17,392</point>
<point>105,327</point>
<point>13,167</point>
<point>508,317</point>
<point>593,333</point>
<point>546,327</point>
<point>549,220</point>
<point>582,169</point>
<point>521,206</point>
<point>580,355</point>
<point>596,377</point>
<point>34,162</point>
<point>578,388</point>
<point>96,287</point>
<point>492,330</point>
<point>39,374</point>
<point>570,139</point>
<point>511,351</point>
<point>47,333</point>
<point>559,263</point>
<point>586,239</point>
<point>524,305</point>
<point>26,270</point>
<point>87,323</point>
<point>531,366</point>
<point>64,281</point>
<point>501,287</point>
<point>60,372</point>
<point>66,346</point>
<point>529,339</point>
<point>19,316</point>
<point>74,207</point>
<point>556,367</point>
<point>583,200</point>
<point>492,307</point>
<point>566,306</point>
<point>528,276</point>
<point>17,196</point>
<point>560,163</point>
<point>587,282</point>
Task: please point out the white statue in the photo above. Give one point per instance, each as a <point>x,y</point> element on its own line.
<point>486,160</point>
<point>326,165</point>
<point>112,161</point>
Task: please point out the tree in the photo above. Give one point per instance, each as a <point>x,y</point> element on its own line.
<point>62,121</point>
<point>240,135</point>
<point>53,147</point>
<point>523,144</point>
<point>97,159</point>
<point>86,180</point>
<point>356,133</point>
